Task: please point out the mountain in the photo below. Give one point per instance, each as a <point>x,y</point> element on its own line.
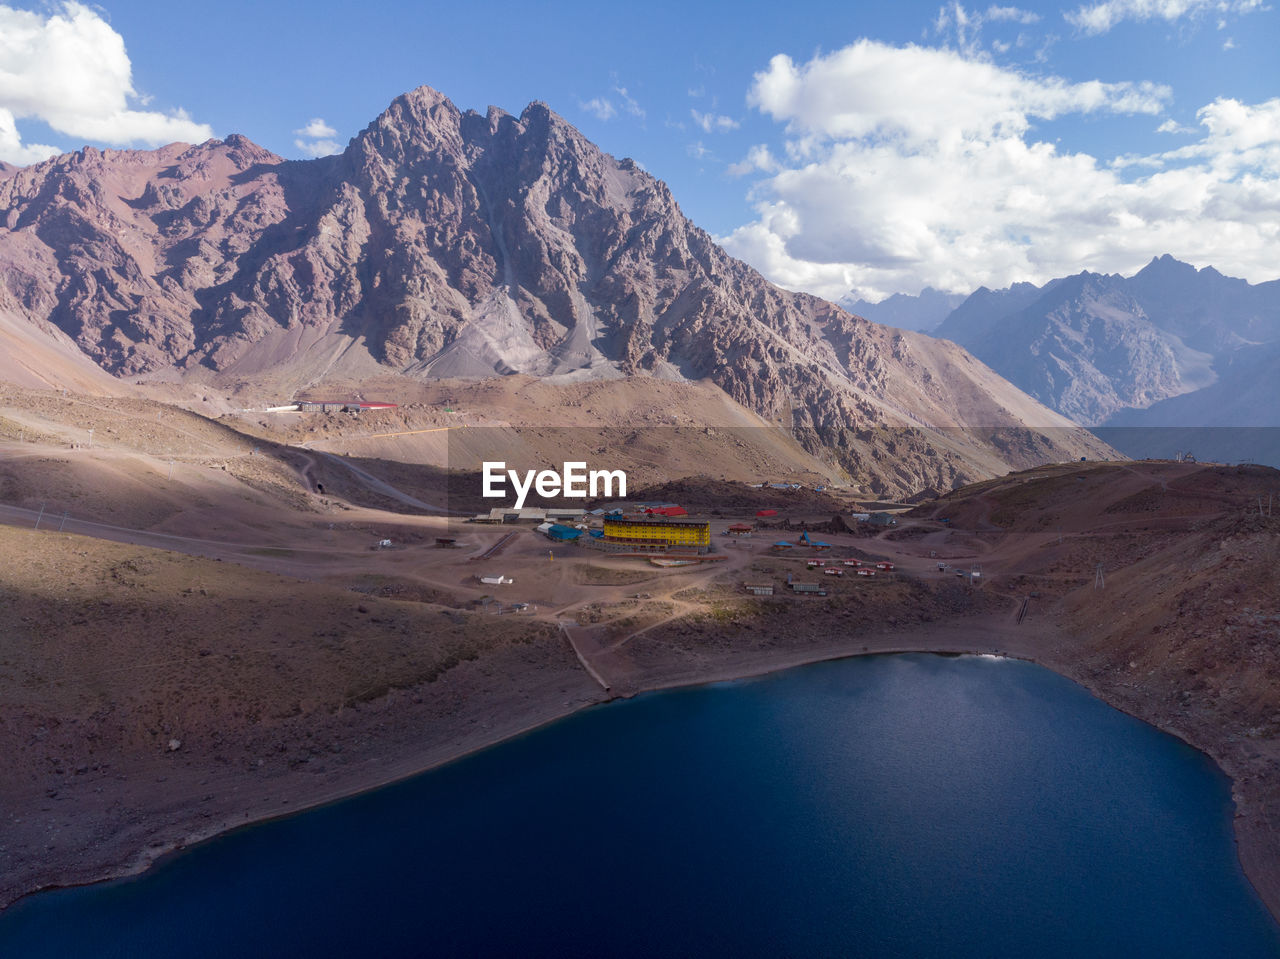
<point>450,244</point>
<point>977,316</point>
<point>922,312</point>
<point>1233,420</point>
<point>1098,347</point>
<point>1209,311</point>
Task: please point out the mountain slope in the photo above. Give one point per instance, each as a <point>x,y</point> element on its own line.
<point>43,357</point>
<point>451,244</point>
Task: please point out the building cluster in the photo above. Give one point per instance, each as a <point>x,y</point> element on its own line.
<point>331,406</point>
<point>644,528</point>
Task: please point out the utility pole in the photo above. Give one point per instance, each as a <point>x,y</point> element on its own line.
<point>41,516</point>
<point>1099,580</point>
<point>64,521</point>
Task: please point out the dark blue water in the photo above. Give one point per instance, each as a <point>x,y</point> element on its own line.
<point>882,806</point>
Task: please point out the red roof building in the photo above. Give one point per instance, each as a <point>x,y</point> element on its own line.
<point>665,511</point>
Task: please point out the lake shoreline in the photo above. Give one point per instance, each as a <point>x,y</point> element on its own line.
<point>1042,641</point>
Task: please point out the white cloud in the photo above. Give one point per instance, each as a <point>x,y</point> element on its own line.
<point>318,148</point>
<point>921,94</point>
<point>1101,17</point>
<point>1011,14</point>
<point>317,129</point>
<point>70,70</point>
<point>1237,132</point>
<point>711,123</point>
<point>599,107</point>
<point>1228,44</point>
<point>758,158</point>
<point>907,167</point>
<point>13,150</point>
<point>604,108</point>
<point>316,139</point>
<point>964,26</point>
<point>629,103</point>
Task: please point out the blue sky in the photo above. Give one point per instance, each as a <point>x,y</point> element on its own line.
<point>835,146</point>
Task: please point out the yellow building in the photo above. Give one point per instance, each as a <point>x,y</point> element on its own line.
<point>656,533</point>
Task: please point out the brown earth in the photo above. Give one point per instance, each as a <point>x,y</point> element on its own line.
<point>197,650</point>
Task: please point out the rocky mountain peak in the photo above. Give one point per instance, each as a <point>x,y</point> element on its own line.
<point>1166,268</point>
<point>422,101</point>
<point>494,116</point>
<point>419,122</point>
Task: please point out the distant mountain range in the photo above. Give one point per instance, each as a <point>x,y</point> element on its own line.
<point>1099,347</point>
<point>1169,347</point>
<point>922,312</point>
<point>450,244</point>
